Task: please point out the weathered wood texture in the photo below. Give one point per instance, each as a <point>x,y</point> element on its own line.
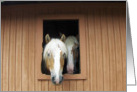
<point>105,46</point>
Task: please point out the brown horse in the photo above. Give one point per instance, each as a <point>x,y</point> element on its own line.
<point>72,45</point>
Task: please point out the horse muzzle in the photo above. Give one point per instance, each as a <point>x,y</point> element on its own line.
<point>70,69</point>
<point>57,81</point>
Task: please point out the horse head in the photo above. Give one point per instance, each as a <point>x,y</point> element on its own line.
<point>54,56</point>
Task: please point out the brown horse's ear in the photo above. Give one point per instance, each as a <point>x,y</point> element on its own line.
<point>63,38</point>
<point>47,38</point>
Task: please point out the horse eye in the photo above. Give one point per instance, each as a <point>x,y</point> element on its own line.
<point>64,55</point>
<point>48,54</point>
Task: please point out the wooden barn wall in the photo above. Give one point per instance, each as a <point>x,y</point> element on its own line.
<point>105,47</point>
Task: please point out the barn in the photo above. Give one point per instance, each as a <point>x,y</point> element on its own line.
<point>102,33</point>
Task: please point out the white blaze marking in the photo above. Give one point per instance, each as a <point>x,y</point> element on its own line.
<point>57,63</point>
<point>70,56</point>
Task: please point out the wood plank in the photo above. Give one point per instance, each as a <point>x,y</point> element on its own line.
<point>111,50</point>
<point>66,85</point>
<point>2,47</point>
<point>80,86</point>
<point>38,85</point>
<point>44,86</point>
<point>73,85</point>
<point>99,59</point>
<point>38,48</point>
<point>31,50</point>
<point>12,60</point>
<point>87,81</point>
<point>6,49</point>
<point>105,49</point>
<point>51,86</point>
<point>25,52</point>
<point>59,87</point>
<point>123,41</point>
<point>118,44</point>
<point>92,45</point>
<point>19,51</point>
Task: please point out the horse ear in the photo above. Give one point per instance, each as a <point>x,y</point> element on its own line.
<point>47,38</point>
<point>63,38</point>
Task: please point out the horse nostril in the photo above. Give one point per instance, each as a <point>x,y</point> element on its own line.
<point>70,71</point>
<point>60,79</point>
<point>53,80</point>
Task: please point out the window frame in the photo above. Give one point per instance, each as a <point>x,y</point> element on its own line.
<point>82,39</point>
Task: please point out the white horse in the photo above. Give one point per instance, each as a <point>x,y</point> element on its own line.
<point>72,44</point>
<point>54,54</point>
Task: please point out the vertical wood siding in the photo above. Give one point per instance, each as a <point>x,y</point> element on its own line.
<point>2,43</point>
<point>105,49</point>
<point>12,51</point>
<point>111,51</point>
<point>6,46</point>
<point>19,39</point>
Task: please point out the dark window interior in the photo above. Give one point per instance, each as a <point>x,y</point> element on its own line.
<point>54,28</point>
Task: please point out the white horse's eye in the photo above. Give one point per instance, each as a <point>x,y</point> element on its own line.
<point>48,54</point>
